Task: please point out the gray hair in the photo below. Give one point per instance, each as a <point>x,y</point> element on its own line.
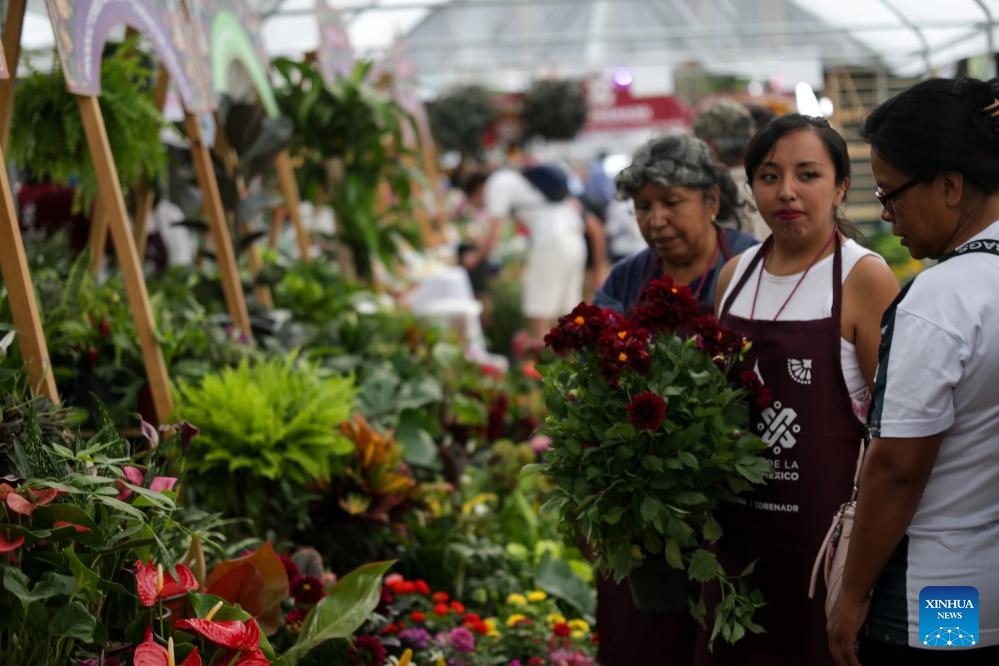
<point>729,125</point>
<point>668,161</point>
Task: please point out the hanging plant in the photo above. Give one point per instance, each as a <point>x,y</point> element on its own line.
<point>553,109</point>
<point>459,118</point>
<point>348,143</point>
<point>49,139</point>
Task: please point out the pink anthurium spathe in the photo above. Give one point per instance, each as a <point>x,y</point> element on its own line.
<point>151,653</point>
<point>154,584</point>
<point>137,477</point>
<point>8,545</point>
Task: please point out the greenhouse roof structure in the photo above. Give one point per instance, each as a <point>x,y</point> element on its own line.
<point>505,43</point>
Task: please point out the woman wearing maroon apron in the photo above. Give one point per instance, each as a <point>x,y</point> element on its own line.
<point>677,191</point>
<point>810,300</point>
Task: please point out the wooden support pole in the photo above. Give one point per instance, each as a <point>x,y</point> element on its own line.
<point>98,238</point>
<point>12,26</point>
<point>128,260</point>
<point>21,295</point>
<point>289,188</point>
<point>212,206</point>
<point>142,195</point>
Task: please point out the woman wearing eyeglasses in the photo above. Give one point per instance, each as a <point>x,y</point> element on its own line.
<point>810,299</point>
<point>921,584</point>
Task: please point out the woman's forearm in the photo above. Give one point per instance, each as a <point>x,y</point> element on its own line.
<point>892,482</point>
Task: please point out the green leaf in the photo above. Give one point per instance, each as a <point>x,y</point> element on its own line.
<point>622,430</point>
<point>341,612</point>
<point>613,515</point>
<point>712,529</point>
<point>556,577</point>
<point>73,621</point>
<point>652,463</point>
<point>704,566</point>
<point>673,555</point>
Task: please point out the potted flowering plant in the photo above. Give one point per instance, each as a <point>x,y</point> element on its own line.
<point>648,440</point>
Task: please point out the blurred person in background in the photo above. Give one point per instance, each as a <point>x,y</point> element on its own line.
<point>727,127</point>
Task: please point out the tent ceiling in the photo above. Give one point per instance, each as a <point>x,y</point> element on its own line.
<point>504,43</point>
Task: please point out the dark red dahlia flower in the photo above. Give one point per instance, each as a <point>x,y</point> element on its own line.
<point>761,394</point>
<point>306,589</point>
<point>647,411</point>
<point>664,306</point>
<point>622,346</point>
<point>714,339</point>
<point>578,329</point>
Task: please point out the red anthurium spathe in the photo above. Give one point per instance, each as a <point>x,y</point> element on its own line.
<point>151,653</point>
<point>154,584</point>
<point>233,634</point>
<point>25,500</point>
<point>65,523</point>
<point>8,545</point>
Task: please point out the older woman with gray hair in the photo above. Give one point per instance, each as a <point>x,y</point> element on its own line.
<point>679,193</point>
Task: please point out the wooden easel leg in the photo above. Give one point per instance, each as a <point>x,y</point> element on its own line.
<point>17,280</point>
<point>289,188</point>
<point>128,260</point>
<point>212,203</point>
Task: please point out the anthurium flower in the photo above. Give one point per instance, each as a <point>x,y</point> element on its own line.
<point>26,499</point>
<point>233,634</point>
<point>8,545</point>
<point>151,653</point>
<point>154,584</point>
<point>137,477</point>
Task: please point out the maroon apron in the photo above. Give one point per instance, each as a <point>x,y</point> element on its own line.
<point>629,636</point>
<point>813,439</point>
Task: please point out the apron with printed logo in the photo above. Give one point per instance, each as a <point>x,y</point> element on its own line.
<point>813,438</point>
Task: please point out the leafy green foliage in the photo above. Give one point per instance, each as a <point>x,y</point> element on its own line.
<point>460,116</point>
<point>553,109</point>
<point>348,143</point>
<point>267,428</point>
<point>61,153</point>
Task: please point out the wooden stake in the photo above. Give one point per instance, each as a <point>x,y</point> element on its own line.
<point>142,195</point>
<point>98,238</point>
<point>12,53</point>
<point>289,188</point>
<point>128,260</point>
<point>212,206</point>
<point>17,279</point>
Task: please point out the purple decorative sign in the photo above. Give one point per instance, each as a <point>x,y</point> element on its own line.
<point>82,27</point>
<point>335,55</point>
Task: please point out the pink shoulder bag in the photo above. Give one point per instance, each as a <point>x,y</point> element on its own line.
<point>831,558</point>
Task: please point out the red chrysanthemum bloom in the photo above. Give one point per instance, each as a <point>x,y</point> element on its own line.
<point>439,598</point>
<point>647,411</point>
<point>623,346</point>
<point>761,394</point>
<point>418,617</point>
<point>458,607</point>
<point>664,306</point>
<point>422,587</point>
<point>714,339</point>
<point>441,609</point>
<point>578,329</point>
<point>562,629</point>
<point>306,589</point>
<point>366,651</point>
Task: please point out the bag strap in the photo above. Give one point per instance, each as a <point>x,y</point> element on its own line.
<point>823,555</point>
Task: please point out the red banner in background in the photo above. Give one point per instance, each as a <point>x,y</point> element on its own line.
<point>614,108</point>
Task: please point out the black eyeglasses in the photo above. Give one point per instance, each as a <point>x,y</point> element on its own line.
<point>886,197</point>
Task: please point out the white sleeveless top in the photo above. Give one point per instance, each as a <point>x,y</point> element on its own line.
<point>812,300</point>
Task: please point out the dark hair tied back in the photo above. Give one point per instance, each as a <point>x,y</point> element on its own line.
<point>941,125</point>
